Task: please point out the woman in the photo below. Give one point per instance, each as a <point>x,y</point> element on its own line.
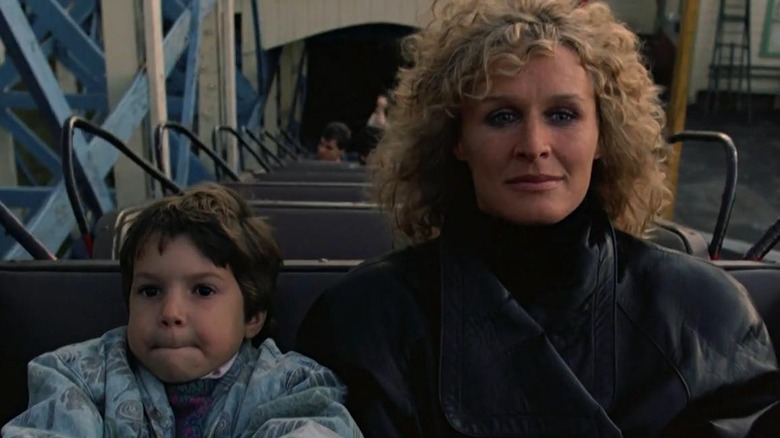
<point>524,161</point>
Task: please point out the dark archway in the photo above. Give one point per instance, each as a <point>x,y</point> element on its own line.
<point>347,68</point>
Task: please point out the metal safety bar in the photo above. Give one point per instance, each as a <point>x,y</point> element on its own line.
<point>241,143</point>
<point>195,142</point>
<point>75,122</point>
<point>730,188</point>
<point>17,230</point>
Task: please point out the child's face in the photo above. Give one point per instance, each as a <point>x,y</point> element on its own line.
<point>328,150</point>
<point>186,314</point>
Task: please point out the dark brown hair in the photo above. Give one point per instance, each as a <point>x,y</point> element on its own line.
<point>222,227</point>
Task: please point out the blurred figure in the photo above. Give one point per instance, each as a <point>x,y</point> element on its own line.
<point>366,141</point>
<point>378,118</point>
<point>333,141</point>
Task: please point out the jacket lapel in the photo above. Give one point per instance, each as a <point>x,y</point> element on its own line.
<point>499,373</point>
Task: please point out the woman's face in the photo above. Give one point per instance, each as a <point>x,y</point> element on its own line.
<point>531,143</point>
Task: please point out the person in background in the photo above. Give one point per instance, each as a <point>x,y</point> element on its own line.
<point>524,160</point>
<point>378,118</point>
<point>366,141</point>
<point>199,273</point>
<point>333,142</point>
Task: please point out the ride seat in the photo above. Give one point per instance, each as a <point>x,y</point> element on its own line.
<point>762,281</point>
<point>680,238</point>
<point>45,305</point>
<point>304,230</point>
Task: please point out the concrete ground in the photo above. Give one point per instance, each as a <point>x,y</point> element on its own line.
<point>703,169</point>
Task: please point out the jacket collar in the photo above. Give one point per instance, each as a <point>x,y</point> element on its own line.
<point>499,373</point>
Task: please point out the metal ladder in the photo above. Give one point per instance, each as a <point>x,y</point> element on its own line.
<point>731,57</point>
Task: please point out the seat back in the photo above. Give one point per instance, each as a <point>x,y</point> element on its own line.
<point>681,238</point>
<point>299,285</point>
<point>320,165</point>
<point>302,191</point>
<point>326,230</point>
<point>45,305</point>
<point>304,230</point>
<point>307,175</point>
<point>762,281</point>
<point>109,232</point>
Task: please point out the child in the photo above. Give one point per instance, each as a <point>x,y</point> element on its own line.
<point>333,141</point>
<point>199,272</point>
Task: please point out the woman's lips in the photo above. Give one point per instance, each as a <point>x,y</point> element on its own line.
<point>534,182</point>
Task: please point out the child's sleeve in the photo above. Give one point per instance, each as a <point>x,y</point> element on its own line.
<point>311,405</point>
<point>60,404</point>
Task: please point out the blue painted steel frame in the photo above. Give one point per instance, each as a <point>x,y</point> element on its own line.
<point>63,28</point>
<point>53,222</point>
<point>20,43</point>
<point>190,96</point>
<point>299,97</point>
<point>80,13</point>
<point>248,102</point>
<point>34,145</point>
<point>68,30</point>
<point>91,77</point>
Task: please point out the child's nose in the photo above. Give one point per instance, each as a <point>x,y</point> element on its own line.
<point>172,313</point>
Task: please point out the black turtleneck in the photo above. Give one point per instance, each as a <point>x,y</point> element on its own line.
<point>532,262</point>
<point>548,269</point>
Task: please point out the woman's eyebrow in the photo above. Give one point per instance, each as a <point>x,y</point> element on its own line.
<point>556,97</point>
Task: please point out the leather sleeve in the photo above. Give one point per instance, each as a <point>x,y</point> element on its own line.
<point>356,329</point>
<point>726,358</point>
<point>749,409</point>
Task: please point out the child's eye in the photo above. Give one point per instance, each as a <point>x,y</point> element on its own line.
<point>149,291</point>
<point>204,291</point>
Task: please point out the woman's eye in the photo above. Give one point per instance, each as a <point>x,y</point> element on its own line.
<point>149,291</point>
<point>204,291</point>
<point>502,118</point>
<point>562,116</point>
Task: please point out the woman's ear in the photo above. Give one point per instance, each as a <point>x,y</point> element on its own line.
<point>254,324</point>
<point>459,151</point>
<point>599,149</point>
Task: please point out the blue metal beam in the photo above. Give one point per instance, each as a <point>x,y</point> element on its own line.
<point>299,96</point>
<point>24,197</point>
<point>22,46</point>
<point>81,11</point>
<point>54,220</point>
<point>262,69</point>
<point>69,32</point>
<point>190,94</point>
<point>81,102</point>
<point>172,9</point>
<point>30,140</point>
<point>25,171</point>
<point>80,70</point>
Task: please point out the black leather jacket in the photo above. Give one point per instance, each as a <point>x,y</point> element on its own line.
<point>431,344</point>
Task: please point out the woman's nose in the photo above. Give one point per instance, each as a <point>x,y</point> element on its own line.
<point>533,142</point>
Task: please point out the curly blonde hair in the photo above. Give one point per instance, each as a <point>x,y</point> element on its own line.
<point>416,175</point>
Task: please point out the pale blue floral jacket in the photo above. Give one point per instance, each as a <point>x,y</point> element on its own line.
<point>91,390</point>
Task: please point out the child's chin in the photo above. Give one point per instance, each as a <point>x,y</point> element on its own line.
<point>176,370</point>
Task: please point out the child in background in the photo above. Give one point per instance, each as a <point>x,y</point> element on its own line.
<point>333,142</point>
<point>199,274</point>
